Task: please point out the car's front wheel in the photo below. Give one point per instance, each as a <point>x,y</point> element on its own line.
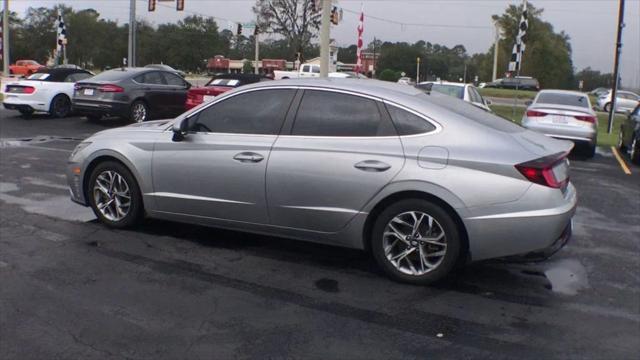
<point>606,107</point>
<point>114,195</point>
<point>139,112</point>
<point>635,150</point>
<point>60,106</point>
<point>415,241</point>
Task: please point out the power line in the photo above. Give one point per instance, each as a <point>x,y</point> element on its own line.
<point>403,24</point>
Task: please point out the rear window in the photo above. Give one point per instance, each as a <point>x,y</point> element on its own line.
<point>451,90</point>
<point>472,113</point>
<point>112,75</point>
<point>563,99</point>
<point>223,82</point>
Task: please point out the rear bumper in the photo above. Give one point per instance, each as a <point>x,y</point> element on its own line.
<point>577,134</point>
<point>101,108</point>
<point>543,254</point>
<point>15,103</point>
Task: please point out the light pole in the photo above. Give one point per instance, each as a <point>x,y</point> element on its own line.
<point>325,33</point>
<point>131,56</point>
<point>495,52</point>
<point>616,69</point>
<point>417,69</point>
<point>5,39</point>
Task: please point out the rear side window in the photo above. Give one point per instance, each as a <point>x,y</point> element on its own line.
<point>563,99</point>
<point>255,112</point>
<point>408,123</point>
<point>152,77</point>
<point>326,113</point>
<point>173,79</point>
<point>77,77</point>
<point>112,75</point>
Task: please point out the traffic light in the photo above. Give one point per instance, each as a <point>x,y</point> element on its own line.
<point>179,5</point>
<point>152,5</point>
<point>335,17</point>
<point>239,32</point>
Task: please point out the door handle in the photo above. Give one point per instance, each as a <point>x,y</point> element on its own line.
<point>246,157</point>
<point>372,166</point>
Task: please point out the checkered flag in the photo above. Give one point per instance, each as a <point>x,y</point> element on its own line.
<point>62,34</point>
<point>518,48</point>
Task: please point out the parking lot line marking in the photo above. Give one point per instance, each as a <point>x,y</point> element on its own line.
<point>623,164</point>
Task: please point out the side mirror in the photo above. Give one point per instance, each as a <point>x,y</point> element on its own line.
<point>488,102</point>
<point>187,85</point>
<point>180,130</point>
<point>528,102</point>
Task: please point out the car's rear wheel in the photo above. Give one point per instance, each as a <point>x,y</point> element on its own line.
<point>415,241</point>
<point>114,195</point>
<point>590,151</point>
<point>635,150</point>
<point>139,112</point>
<point>60,106</point>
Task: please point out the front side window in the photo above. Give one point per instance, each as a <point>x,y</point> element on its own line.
<point>408,123</point>
<point>256,112</point>
<point>305,68</point>
<point>326,113</point>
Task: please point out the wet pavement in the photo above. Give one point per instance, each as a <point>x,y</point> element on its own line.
<point>71,288</point>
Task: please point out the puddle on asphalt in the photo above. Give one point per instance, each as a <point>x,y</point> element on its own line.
<point>566,276</point>
<point>60,207</point>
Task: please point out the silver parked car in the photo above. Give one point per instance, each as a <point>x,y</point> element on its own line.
<point>565,115</point>
<point>422,181</point>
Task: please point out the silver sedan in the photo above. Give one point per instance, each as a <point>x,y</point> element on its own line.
<point>421,181</point>
<point>564,115</point>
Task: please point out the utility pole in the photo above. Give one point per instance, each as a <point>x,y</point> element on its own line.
<point>325,34</point>
<point>417,70</point>
<point>131,61</point>
<point>495,52</point>
<point>5,39</point>
<point>464,77</point>
<point>256,66</point>
<point>616,69</point>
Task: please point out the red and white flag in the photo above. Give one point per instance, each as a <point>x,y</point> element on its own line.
<point>359,68</point>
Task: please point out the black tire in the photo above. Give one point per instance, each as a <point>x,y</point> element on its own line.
<point>139,112</point>
<point>590,151</point>
<point>94,117</point>
<point>60,106</point>
<point>635,150</point>
<point>135,209</point>
<point>606,107</point>
<point>452,239</point>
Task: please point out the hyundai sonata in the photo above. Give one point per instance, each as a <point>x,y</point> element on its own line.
<point>421,181</point>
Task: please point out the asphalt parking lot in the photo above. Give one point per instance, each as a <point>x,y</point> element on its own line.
<point>73,289</point>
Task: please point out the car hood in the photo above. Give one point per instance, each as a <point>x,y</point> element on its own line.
<point>149,124</point>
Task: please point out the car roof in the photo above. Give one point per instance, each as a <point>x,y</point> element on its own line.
<point>58,74</point>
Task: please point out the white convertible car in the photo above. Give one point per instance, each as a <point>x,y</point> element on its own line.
<point>48,90</point>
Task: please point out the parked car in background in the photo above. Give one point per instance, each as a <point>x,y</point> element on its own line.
<point>566,115</point>
<point>405,80</point>
<point>25,67</point>
<point>625,101</point>
<point>219,84</point>
<point>167,68</point>
<point>462,91</point>
<point>519,82</point>
<point>597,91</point>
<point>629,137</point>
<point>47,90</point>
<point>424,182</point>
<point>305,71</point>
<point>136,94</point>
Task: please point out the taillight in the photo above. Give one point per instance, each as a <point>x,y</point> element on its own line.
<point>110,88</point>
<point>77,87</point>
<point>534,113</point>
<point>551,171</point>
<point>587,118</point>
<point>28,90</point>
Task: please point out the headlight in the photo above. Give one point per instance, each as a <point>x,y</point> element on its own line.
<point>80,146</point>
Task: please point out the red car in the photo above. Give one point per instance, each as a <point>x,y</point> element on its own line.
<point>219,84</point>
<point>25,67</point>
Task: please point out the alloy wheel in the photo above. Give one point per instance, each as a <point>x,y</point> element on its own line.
<point>414,243</point>
<point>139,112</point>
<point>61,106</point>
<point>634,148</point>
<point>112,195</point>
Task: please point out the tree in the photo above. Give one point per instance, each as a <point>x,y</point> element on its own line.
<point>247,67</point>
<point>594,79</point>
<point>295,20</point>
<point>548,54</point>
<point>389,75</point>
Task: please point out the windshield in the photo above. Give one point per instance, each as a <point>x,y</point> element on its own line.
<point>563,99</point>
<point>451,90</point>
<point>38,76</point>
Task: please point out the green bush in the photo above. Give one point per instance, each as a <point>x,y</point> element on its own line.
<point>389,75</point>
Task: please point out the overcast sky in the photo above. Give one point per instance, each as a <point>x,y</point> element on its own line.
<point>591,24</point>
